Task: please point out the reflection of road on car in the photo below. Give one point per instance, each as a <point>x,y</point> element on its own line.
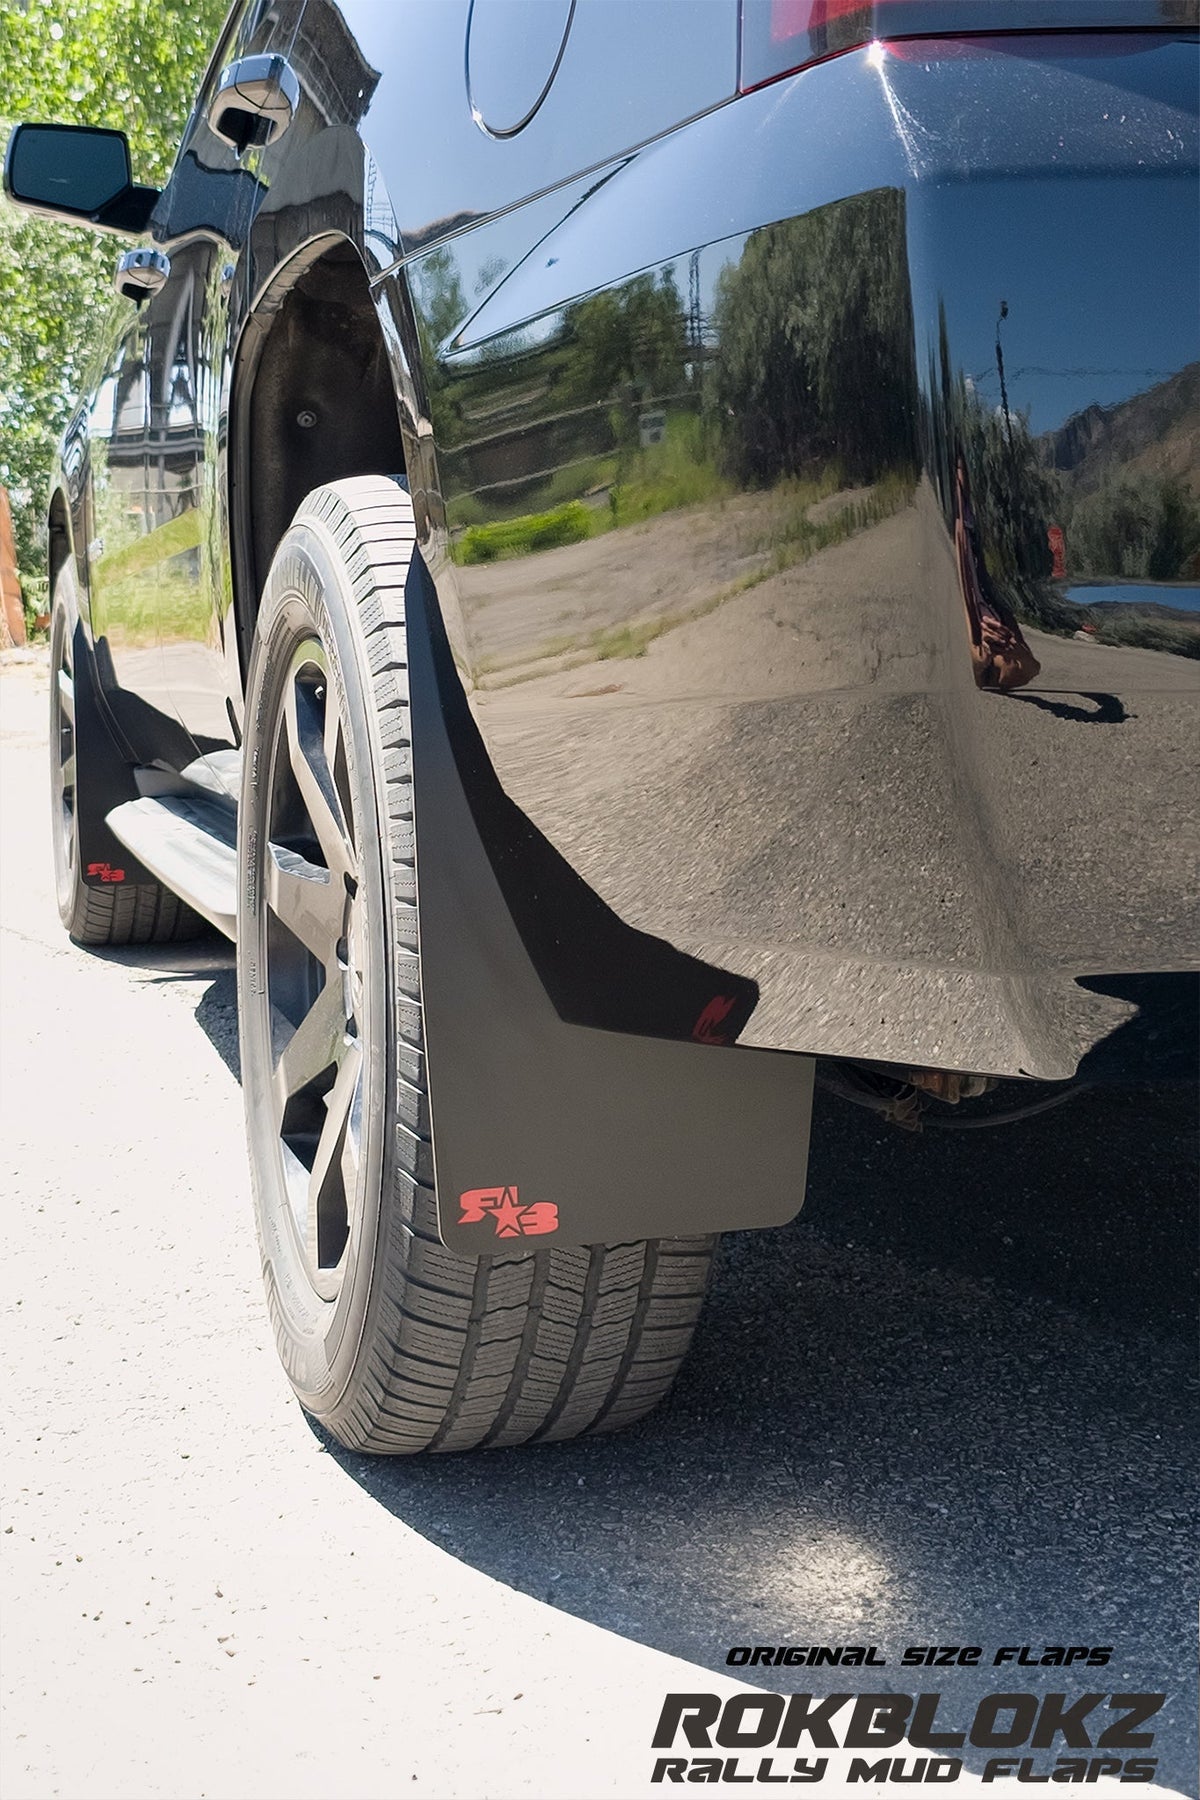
<point>570,742</point>
<point>619,563</point>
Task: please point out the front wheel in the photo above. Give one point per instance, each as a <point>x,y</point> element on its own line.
<point>392,1341</point>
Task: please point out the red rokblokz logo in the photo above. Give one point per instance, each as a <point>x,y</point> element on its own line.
<point>503,1206</point>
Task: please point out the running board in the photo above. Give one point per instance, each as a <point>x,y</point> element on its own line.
<point>190,843</point>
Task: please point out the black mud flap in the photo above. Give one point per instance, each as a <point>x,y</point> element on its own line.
<point>104,780</point>
<point>548,1131</point>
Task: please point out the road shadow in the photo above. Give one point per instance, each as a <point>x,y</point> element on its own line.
<point>1107,708</point>
<point>953,1404</point>
<point>207,965</point>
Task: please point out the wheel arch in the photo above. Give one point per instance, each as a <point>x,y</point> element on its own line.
<point>313,400</point>
<point>59,540</point>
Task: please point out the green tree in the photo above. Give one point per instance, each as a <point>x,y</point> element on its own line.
<point>1135,527</point>
<point>132,64</point>
<point>628,344</point>
<point>817,360</point>
<point>440,305</point>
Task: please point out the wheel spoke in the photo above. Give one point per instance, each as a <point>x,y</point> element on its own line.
<point>66,695</point>
<point>330,1160</point>
<point>68,773</point>
<point>352,1137</point>
<point>318,1041</point>
<point>334,745</point>
<point>314,777</point>
<point>317,965</point>
<point>308,899</point>
<point>330,733</point>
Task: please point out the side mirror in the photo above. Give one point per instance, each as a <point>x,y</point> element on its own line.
<point>76,172</point>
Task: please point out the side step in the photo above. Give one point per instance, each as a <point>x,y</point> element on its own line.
<point>190,843</point>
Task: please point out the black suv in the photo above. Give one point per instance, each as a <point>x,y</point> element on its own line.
<point>620,550</point>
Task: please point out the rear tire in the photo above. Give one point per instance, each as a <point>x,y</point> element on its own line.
<point>119,911</point>
<point>391,1341</point>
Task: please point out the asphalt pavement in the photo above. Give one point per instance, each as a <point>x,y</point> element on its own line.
<point>954,1403</point>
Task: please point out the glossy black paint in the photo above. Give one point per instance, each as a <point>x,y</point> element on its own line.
<point>799,475</point>
<point>759,729</point>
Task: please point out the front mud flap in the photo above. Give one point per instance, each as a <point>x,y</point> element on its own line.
<point>546,1132</point>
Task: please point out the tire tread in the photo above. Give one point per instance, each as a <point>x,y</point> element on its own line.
<point>142,913</point>
<point>459,1355</point>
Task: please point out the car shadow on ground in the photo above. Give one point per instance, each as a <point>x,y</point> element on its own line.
<point>206,965</point>
<point>953,1403</point>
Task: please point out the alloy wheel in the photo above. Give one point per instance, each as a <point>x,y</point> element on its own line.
<point>316,953</point>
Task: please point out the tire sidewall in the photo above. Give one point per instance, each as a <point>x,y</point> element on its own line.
<point>67,880</point>
<point>310,592</point>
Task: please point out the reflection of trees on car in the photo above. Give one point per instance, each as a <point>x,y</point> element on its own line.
<point>1134,525</point>
<point>514,412</point>
<point>629,341</point>
<point>1137,526</point>
<point>816,362</point>
<point>440,306</point>
<point>1131,494</point>
<point>132,64</point>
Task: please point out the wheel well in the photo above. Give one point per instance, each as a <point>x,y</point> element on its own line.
<point>316,404</point>
<point>58,546</point>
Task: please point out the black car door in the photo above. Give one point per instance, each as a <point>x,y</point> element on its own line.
<point>202,224</point>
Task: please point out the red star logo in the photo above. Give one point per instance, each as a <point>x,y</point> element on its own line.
<point>503,1205</point>
<point>508,1216</point>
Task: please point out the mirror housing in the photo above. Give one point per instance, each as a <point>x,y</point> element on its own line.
<point>140,274</point>
<point>255,102</point>
<point>80,173</point>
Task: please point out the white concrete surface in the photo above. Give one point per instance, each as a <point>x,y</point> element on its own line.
<point>198,1600</point>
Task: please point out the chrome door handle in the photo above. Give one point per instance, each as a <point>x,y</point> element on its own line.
<point>255,101</point>
<point>140,274</point>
